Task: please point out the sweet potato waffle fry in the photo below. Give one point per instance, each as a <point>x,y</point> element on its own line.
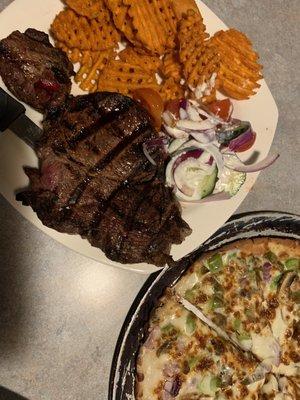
<point>171,90</point>
<point>89,72</point>
<point>199,57</point>
<point>207,63</point>
<point>80,32</point>
<point>165,38</point>
<point>91,64</point>
<point>239,68</point>
<point>191,36</point>
<point>119,76</point>
<point>154,23</point>
<point>122,20</point>
<point>87,8</point>
<point>181,7</point>
<point>77,55</point>
<point>171,67</point>
<point>149,63</point>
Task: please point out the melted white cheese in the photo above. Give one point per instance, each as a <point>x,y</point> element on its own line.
<point>265,347</point>
<point>187,283</point>
<point>287,370</point>
<point>152,367</point>
<point>279,326</point>
<point>271,387</point>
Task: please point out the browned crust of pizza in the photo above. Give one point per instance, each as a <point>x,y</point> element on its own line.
<point>258,247</point>
<point>138,390</point>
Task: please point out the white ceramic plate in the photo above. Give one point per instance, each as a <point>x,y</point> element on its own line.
<point>204,219</point>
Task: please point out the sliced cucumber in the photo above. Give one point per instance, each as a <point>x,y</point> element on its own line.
<point>235,182</point>
<point>230,132</point>
<point>208,183</point>
<point>230,181</point>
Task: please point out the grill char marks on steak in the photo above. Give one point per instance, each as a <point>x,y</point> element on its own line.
<point>94,180</point>
<point>33,70</point>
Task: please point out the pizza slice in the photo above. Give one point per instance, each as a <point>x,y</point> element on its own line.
<point>250,290</point>
<point>184,359</point>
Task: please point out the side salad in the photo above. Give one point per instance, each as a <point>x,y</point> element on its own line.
<point>203,143</point>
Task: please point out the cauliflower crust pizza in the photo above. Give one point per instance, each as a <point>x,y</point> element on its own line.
<point>228,329</point>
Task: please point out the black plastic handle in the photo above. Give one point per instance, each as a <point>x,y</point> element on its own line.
<point>10,110</point>
<point>6,394</point>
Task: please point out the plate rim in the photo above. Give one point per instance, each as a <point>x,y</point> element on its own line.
<point>154,278</point>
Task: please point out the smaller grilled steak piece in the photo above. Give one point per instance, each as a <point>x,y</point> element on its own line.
<point>94,180</point>
<point>33,70</point>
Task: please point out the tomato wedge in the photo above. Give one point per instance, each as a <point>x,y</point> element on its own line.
<point>151,100</point>
<point>173,106</point>
<point>221,108</point>
<point>247,146</point>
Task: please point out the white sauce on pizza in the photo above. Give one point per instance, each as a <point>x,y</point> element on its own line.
<point>243,296</point>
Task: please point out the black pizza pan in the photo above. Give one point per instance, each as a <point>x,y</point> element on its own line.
<point>241,226</point>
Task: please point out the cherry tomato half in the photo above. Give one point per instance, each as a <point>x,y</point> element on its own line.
<point>221,108</point>
<point>151,100</point>
<point>173,106</point>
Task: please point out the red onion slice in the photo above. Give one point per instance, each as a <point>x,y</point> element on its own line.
<point>183,103</point>
<point>147,155</point>
<point>160,141</point>
<point>171,369</point>
<point>212,149</point>
<point>194,125</point>
<point>241,140</point>
<point>267,271</point>
<point>182,113</point>
<point>168,118</point>
<point>205,136</point>
<point>194,153</point>
<point>176,133</point>
<point>193,113</point>
<point>239,166</point>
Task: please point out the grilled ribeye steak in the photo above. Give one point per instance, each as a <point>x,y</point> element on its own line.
<point>33,70</point>
<point>94,180</point>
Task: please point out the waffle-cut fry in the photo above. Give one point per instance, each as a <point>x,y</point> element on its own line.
<point>87,8</point>
<point>91,64</point>
<point>207,63</point>
<point>171,67</point>
<point>239,70</point>
<point>199,57</point>
<point>171,90</point>
<point>154,22</point>
<point>150,63</point>
<point>181,7</point>
<point>119,76</point>
<point>191,36</point>
<point>88,74</point>
<point>122,20</point>
<point>77,55</point>
<point>80,32</point>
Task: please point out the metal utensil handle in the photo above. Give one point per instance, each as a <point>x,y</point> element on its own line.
<point>10,110</point>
